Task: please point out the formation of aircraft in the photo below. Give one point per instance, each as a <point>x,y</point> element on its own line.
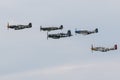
<point>63,35</point>
<point>51,28</point>
<point>19,27</point>
<point>59,35</point>
<point>86,32</point>
<point>103,49</point>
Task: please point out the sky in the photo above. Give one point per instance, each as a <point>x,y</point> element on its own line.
<point>28,55</point>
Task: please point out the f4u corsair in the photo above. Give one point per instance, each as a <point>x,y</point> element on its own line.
<point>59,35</point>
<point>51,28</point>
<point>19,27</point>
<point>86,32</point>
<point>103,49</point>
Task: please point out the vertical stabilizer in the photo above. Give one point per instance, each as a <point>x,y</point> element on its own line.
<point>96,30</point>
<point>69,33</point>
<point>30,24</point>
<point>61,27</point>
<point>116,47</point>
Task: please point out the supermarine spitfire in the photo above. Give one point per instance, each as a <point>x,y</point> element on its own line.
<point>86,32</point>
<point>103,49</point>
<point>51,28</point>
<point>59,35</point>
<point>19,27</point>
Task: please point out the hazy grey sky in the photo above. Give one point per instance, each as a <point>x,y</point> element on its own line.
<point>28,55</point>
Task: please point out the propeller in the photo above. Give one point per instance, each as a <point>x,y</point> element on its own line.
<point>47,35</point>
<point>75,31</point>
<point>92,48</point>
<point>8,25</point>
<point>40,28</point>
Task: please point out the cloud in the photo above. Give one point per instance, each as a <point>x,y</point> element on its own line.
<point>64,69</point>
<point>44,72</point>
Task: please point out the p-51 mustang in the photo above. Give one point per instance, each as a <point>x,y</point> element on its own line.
<point>103,49</point>
<point>19,27</point>
<point>51,28</point>
<point>59,35</point>
<point>86,32</point>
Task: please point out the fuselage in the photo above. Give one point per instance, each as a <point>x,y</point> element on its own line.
<point>51,28</point>
<point>102,49</point>
<point>18,27</point>
<point>60,35</point>
<point>57,36</point>
<point>86,32</point>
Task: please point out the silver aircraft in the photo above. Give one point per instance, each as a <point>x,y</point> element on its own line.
<point>86,32</point>
<point>103,49</point>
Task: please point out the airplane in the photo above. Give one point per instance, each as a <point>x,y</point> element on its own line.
<point>59,35</point>
<point>19,27</point>
<point>103,49</point>
<point>51,28</point>
<point>86,32</point>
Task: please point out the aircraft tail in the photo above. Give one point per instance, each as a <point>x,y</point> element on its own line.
<point>30,24</point>
<point>96,30</point>
<point>61,27</point>
<point>69,33</point>
<point>115,47</point>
